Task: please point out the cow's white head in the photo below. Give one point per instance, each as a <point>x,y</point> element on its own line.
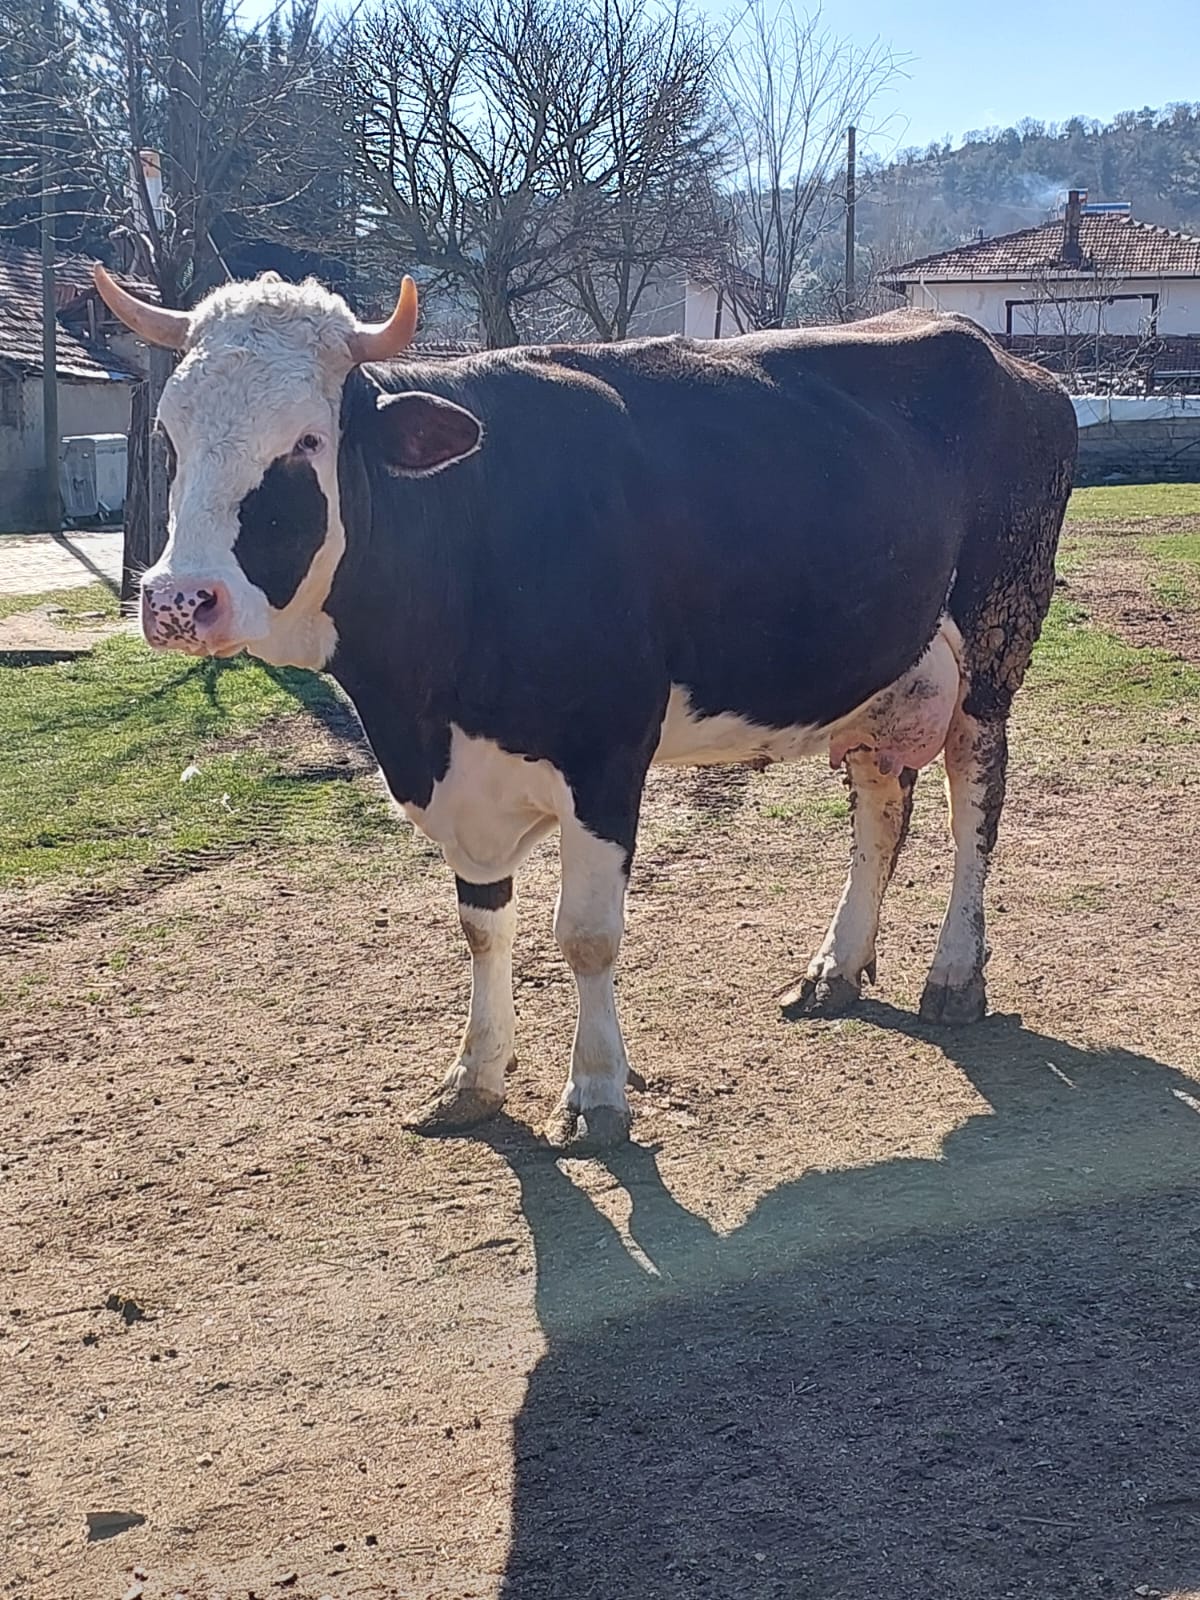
<point>252,419</point>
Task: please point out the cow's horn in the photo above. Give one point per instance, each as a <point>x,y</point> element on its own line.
<point>380,341</point>
<point>154,324</point>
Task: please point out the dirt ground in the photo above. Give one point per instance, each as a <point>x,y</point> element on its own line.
<point>1111,587</point>
<point>868,1310</point>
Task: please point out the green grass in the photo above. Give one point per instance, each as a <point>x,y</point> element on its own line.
<point>87,597</point>
<point>1183,548</point>
<point>823,809</point>
<point>1175,580</point>
<point>1127,502</point>
<point>1174,589</point>
<point>1082,668</point>
<point>95,749</point>
<point>1074,551</point>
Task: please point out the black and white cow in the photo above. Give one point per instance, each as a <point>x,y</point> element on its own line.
<point>537,571</point>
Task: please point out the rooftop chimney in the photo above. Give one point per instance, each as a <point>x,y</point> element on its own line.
<point>1071,252</point>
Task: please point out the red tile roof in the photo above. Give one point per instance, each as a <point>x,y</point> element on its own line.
<point>21,318</point>
<point>1113,245</point>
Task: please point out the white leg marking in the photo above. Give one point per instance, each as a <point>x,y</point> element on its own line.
<point>976,757</point>
<point>473,1089</point>
<point>487,1048</point>
<point>834,976</point>
<point>588,925</point>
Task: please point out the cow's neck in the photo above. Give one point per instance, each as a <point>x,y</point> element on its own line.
<point>400,629</point>
<point>411,745</point>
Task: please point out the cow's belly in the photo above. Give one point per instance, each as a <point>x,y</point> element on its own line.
<point>689,740</point>
<point>491,809</point>
<point>905,724</point>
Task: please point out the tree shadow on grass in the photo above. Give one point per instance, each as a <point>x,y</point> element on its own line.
<point>321,699</point>
<point>964,1377</point>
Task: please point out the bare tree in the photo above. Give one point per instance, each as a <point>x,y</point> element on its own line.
<point>644,184</point>
<point>184,78</point>
<point>1067,324</point>
<point>43,149</point>
<point>791,88</point>
<point>187,78</point>
<point>462,111</point>
<point>823,297</point>
<point>545,157</point>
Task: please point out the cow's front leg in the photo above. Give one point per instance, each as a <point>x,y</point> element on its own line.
<point>881,808</point>
<point>593,1111</point>
<point>473,1089</point>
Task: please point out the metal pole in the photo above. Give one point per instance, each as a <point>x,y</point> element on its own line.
<point>52,502</point>
<point>850,178</point>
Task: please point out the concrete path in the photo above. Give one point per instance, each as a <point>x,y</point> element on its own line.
<point>35,563</point>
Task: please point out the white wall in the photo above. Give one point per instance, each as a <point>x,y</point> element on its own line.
<point>700,314</point>
<point>987,304</point>
<point>92,408</point>
<point>660,307</point>
<point>1179,308</point>
<point>676,305</point>
<point>82,408</point>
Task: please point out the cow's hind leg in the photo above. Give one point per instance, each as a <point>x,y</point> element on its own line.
<point>881,808</point>
<point>473,1089</point>
<point>976,757</point>
<point>593,1110</point>
<point>1001,597</point>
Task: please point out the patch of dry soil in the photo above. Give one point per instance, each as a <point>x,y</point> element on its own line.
<point>865,1311</point>
<point>1114,589</point>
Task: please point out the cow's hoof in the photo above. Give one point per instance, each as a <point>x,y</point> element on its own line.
<point>579,1133</point>
<point>829,996</point>
<point>954,1007</point>
<point>450,1109</point>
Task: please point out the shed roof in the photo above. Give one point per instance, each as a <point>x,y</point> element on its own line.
<point>79,358</point>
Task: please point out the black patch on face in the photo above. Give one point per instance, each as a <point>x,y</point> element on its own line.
<point>283,525</point>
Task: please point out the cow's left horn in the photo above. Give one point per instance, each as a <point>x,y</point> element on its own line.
<point>154,324</point>
<point>380,341</point>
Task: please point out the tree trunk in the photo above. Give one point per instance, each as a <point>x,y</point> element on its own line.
<point>496,319</point>
<point>184,110</point>
<point>145,479</point>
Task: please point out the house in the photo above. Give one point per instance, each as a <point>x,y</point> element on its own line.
<point>699,302</point>
<point>1096,294</point>
<point>98,367</point>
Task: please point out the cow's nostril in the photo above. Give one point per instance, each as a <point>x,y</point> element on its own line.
<point>206,608</point>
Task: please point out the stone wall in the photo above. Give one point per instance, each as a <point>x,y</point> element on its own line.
<point>1155,451</point>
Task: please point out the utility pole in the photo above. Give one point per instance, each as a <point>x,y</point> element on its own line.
<point>52,500</point>
<point>848,312</point>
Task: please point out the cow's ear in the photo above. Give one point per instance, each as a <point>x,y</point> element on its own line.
<point>419,434</point>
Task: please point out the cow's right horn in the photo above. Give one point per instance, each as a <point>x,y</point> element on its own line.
<point>154,324</point>
<point>380,341</point>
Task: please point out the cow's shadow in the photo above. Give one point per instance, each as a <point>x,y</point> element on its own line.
<point>963,1377</point>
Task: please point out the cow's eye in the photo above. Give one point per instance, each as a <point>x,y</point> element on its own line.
<point>308,444</point>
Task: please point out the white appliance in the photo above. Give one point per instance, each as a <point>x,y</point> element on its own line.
<point>92,476</point>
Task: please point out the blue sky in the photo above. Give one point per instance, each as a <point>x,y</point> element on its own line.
<point>975,65</point>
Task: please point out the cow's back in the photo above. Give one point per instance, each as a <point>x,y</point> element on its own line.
<point>809,496</point>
